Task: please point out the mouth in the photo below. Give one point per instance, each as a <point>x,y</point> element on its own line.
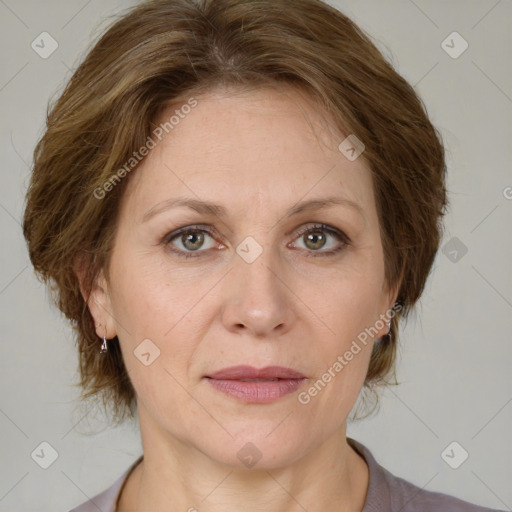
<point>257,380</point>
<point>252,385</point>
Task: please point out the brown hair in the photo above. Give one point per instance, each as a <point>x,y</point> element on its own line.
<point>163,50</point>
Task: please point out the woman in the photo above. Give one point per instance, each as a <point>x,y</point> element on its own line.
<point>238,201</point>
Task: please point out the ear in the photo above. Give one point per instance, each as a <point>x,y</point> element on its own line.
<point>97,299</point>
<point>388,299</point>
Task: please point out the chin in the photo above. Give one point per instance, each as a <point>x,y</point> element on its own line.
<point>256,449</point>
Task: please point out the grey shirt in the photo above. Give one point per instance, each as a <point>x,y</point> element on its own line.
<point>386,493</point>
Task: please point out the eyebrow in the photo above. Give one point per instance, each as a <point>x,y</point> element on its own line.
<point>217,210</point>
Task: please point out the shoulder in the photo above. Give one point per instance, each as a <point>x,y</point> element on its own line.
<point>106,500</point>
<point>408,497</point>
<point>394,494</point>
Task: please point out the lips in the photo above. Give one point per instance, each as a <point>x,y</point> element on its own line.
<point>256,386</point>
<point>251,374</point>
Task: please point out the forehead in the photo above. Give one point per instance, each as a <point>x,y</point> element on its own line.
<point>262,144</point>
<point>252,119</point>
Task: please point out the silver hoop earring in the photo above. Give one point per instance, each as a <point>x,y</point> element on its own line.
<point>104,347</point>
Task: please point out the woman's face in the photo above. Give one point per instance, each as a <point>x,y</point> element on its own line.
<point>246,285</point>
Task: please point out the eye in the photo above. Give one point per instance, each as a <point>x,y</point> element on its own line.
<point>190,240</point>
<point>316,237</point>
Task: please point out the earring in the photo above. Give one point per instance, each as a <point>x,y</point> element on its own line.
<point>104,347</point>
<point>389,329</point>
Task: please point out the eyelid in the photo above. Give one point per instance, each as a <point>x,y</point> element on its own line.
<point>324,227</point>
<point>190,227</point>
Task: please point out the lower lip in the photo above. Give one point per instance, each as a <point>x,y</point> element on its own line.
<point>257,392</point>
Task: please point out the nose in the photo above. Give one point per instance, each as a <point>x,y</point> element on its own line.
<point>257,300</point>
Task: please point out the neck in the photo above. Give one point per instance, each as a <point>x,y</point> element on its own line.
<point>175,476</point>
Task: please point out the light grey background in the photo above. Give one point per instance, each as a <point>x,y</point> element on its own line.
<point>455,358</point>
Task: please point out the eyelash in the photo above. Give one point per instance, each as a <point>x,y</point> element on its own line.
<point>340,235</point>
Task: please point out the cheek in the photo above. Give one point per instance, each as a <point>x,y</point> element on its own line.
<point>142,300</point>
<point>149,316</point>
<point>347,308</point>
<point>150,303</point>
<point>342,371</point>
<point>349,303</point>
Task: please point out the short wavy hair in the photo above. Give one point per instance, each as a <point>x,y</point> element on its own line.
<point>161,51</point>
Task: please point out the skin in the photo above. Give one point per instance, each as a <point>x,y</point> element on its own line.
<point>257,153</point>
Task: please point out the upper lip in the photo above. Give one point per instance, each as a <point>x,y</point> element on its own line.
<point>249,372</point>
